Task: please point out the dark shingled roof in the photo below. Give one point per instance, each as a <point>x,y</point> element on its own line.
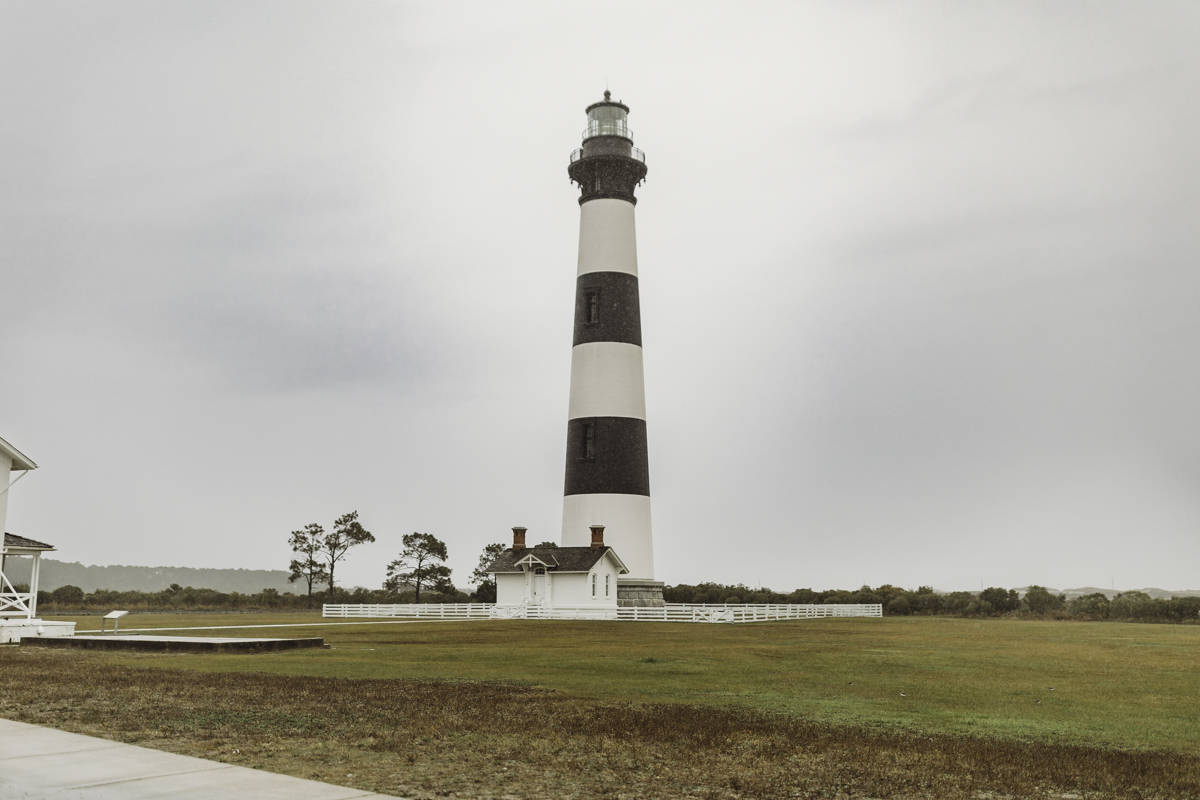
<point>558,559</point>
<point>12,540</point>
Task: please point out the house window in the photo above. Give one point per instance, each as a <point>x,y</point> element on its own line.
<point>540,571</point>
<point>593,584</point>
<point>589,442</point>
<point>591,306</point>
<point>607,578</point>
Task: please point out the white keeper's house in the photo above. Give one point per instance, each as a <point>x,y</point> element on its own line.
<point>558,577</point>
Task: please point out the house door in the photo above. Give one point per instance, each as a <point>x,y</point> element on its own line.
<point>538,595</point>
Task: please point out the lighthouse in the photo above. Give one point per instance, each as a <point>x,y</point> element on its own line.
<point>607,469</point>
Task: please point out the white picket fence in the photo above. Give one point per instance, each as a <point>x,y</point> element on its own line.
<point>671,612</point>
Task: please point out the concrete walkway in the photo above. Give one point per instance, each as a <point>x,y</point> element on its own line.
<point>37,762</point>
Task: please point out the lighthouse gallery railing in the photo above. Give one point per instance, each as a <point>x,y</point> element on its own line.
<point>634,153</point>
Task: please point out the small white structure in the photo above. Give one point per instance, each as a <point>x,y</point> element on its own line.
<point>18,610</point>
<point>115,615</point>
<point>574,577</point>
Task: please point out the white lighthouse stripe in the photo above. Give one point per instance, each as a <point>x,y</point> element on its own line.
<point>606,381</point>
<point>626,521</point>
<point>607,241</point>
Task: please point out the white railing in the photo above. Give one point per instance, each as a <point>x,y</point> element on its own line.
<point>671,612</point>
<point>419,610</point>
<point>634,153</point>
<point>756,612</point>
<point>15,604</point>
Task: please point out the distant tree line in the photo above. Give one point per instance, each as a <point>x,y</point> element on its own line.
<point>188,598</point>
<point>146,579</point>
<point>419,574</point>
<point>1036,601</point>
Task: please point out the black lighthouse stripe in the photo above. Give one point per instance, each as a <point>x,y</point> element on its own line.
<point>607,455</point>
<point>607,308</point>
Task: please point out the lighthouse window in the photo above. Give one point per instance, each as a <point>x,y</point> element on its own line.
<point>589,441</point>
<point>591,300</point>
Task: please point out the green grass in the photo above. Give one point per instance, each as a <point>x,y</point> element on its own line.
<point>804,709</point>
<point>1115,684</point>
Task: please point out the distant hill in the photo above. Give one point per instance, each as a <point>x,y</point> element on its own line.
<point>148,579</point>
<point>1157,594</point>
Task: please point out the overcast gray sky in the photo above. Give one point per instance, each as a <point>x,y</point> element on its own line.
<point>919,281</point>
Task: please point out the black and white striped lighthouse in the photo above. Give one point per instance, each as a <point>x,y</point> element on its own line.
<point>607,471</point>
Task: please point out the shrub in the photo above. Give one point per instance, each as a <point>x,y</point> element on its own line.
<point>979,608</point>
<point>67,595</point>
<point>1131,605</point>
<point>957,602</point>
<point>1184,609</point>
<point>899,605</point>
<point>1089,606</point>
<point>925,600</point>
<point>1000,600</point>
<point>1039,601</point>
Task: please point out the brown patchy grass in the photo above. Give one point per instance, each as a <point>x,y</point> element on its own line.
<point>425,739</point>
<point>1124,686</point>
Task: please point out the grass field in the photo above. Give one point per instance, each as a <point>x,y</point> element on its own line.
<point>799,709</point>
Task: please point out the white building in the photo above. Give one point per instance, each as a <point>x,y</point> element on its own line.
<point>18,610</point>
<point>11,460</point>
<point>558,577</point>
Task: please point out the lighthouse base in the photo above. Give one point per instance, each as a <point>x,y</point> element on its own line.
<point>639,592</point>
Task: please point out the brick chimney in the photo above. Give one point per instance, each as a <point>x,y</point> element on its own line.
<point>518,538</point>
<point>597,535</point>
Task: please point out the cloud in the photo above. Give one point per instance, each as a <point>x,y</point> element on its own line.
<point>916,282</point>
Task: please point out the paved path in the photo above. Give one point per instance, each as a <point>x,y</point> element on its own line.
<point>37,763</point>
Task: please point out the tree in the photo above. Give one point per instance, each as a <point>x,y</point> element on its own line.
<point>347,533</point>
<point>887,591</point>
<point>68,595</point>
<point>925,601</point>
<point>864,595</point>
<point>486,585</point>
<point>308,543</point>
<point>900,604</point>
<point>1131,605</point>
<point>420,564</point>
<point>957,602</point>
<point>1001,600</point>
<point>1180,608</point>
<point>1040,600</point>
<point>1090,606</point>
<point>547,544</point>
